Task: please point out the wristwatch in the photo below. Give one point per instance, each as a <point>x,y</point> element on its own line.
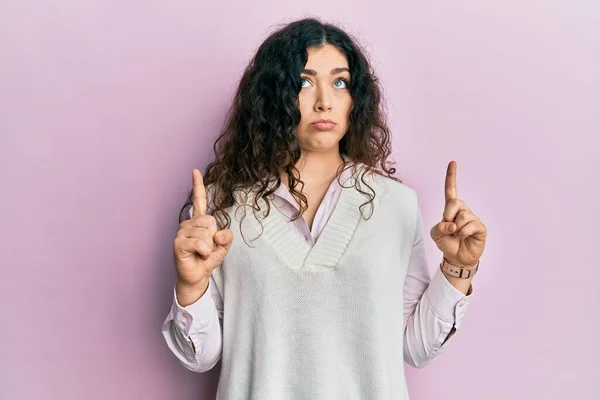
<point>459,272</point>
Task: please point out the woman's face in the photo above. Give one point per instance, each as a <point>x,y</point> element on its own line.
<point>324,96</point>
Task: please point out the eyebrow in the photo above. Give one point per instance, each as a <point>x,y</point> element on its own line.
<point>333,71</point>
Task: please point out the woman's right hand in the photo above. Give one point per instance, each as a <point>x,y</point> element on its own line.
<point>199,247</point>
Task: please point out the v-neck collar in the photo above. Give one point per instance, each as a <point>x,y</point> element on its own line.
<point>333,241</point>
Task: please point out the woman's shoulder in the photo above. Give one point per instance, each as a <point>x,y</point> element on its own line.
<point>242,196</point>
<point>392,188</point>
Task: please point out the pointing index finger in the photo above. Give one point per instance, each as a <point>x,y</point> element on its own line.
<point>199,201</point>
<point>450,187</point>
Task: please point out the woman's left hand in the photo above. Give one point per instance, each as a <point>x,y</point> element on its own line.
<point>460,235</point>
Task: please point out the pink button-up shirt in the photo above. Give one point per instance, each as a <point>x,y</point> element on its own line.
<point>433,308</point>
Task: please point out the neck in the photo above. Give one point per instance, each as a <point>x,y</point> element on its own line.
<point>318,164</point>
<point>316,169</point>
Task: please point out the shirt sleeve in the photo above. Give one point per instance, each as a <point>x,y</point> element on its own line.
<point>433,308</point>
<point>194,333</point>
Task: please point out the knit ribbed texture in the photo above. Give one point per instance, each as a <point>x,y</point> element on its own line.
<point>333,240</point>
<point>323,322</point>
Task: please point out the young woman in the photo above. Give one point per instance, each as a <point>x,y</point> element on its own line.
<point>300,259</point>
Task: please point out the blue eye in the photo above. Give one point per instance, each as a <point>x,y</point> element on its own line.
<point>303,80</point>
<point>344,81</point>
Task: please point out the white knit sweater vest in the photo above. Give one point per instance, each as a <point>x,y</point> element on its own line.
<point>323,322</point>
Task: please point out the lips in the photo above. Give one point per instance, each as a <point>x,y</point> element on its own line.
<point>324,126</point>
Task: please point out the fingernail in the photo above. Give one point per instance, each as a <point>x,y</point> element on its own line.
<point>451,228</point>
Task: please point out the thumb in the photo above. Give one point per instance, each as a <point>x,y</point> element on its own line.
<point>223,241</point>
<point>223,238</point>
<point>442,229</point>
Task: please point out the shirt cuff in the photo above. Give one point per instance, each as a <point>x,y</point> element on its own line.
<point>195,316</point>
<point>447,302</point>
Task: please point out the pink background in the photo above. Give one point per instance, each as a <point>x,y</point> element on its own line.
<point>106,106</point>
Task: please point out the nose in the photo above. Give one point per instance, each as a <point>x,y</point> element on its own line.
<point>323,100</point>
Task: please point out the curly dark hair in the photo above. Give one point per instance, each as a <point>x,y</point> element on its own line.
<point>258,142</point>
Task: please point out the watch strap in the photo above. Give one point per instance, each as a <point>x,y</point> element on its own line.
<point>459,272</point>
